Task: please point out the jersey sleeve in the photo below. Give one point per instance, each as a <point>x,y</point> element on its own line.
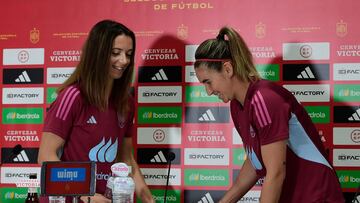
<point>271,115</point>
<point>63,112</point>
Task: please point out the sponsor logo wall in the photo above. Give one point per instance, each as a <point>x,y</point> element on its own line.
<point>315,58</point>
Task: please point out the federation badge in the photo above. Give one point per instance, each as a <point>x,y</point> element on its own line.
<point>34,36</point>
<point>260,30</point>
<point>182,32</point>
<point>355,136</point>
<point>23,56</point>
<point>159,135</point>
<point>306,51</point>
<point>341,28</point>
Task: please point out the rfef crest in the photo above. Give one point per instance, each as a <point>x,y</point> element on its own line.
<point>34,36</point>
<point>182,32</point>
<point>260,30</point>
<point>341,28</point>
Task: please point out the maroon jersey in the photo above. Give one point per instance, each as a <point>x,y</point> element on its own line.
<point>271,113</point>
<point>89,134</point>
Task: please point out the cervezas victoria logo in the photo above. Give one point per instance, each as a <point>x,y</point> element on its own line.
<point>205,136</point>
<point>160,54</point>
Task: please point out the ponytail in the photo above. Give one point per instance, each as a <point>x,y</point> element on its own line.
<point>228,46</point>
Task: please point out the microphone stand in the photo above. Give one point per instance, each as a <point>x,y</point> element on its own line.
<point>171,156</point>
<point>167,181</point>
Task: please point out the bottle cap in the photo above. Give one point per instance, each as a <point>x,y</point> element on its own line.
<point>120,169</point>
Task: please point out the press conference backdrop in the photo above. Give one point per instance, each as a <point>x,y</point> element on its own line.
<point>310,47</point>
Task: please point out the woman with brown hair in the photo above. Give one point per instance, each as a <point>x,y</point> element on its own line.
<point>92,117</point>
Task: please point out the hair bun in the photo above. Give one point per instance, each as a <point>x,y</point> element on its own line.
<point>221,36</point>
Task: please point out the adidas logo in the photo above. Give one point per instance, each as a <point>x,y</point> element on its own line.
<point>160,75</point>
<point>24,77</point>
<point>306,74</point>
<point>91,120</point>
<point>159,158</point>
<point>21,157</point>
<point>206,199</point>
<point>355,116</point>
<point>207,116</point>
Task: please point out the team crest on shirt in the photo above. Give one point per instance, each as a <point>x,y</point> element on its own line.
<point>252,132</point>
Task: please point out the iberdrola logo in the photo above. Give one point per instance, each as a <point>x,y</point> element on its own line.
<point>11,115</point>
<point>53,96</point>
<point>194,177</point>
<point>147,115</point>
<point>344,179</point>
<point>195,94</point>
<point>344,92</point>
<point>10,195</point>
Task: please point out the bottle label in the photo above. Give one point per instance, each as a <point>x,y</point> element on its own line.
<point>120,169</point>
<point>122,184</point>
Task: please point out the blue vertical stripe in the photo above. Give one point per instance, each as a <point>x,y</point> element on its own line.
<point>301,144</point>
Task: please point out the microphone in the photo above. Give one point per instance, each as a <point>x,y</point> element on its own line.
<point>14,152</point>
<point>170,157</point>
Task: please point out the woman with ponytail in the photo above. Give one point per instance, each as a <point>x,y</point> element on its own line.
<point>281,142</point>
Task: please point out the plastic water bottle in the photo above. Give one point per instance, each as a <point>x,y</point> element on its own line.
<point>123,190</point>
<point>121,187</point>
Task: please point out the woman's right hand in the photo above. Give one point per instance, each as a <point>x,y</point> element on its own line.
<point>97,198</point>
